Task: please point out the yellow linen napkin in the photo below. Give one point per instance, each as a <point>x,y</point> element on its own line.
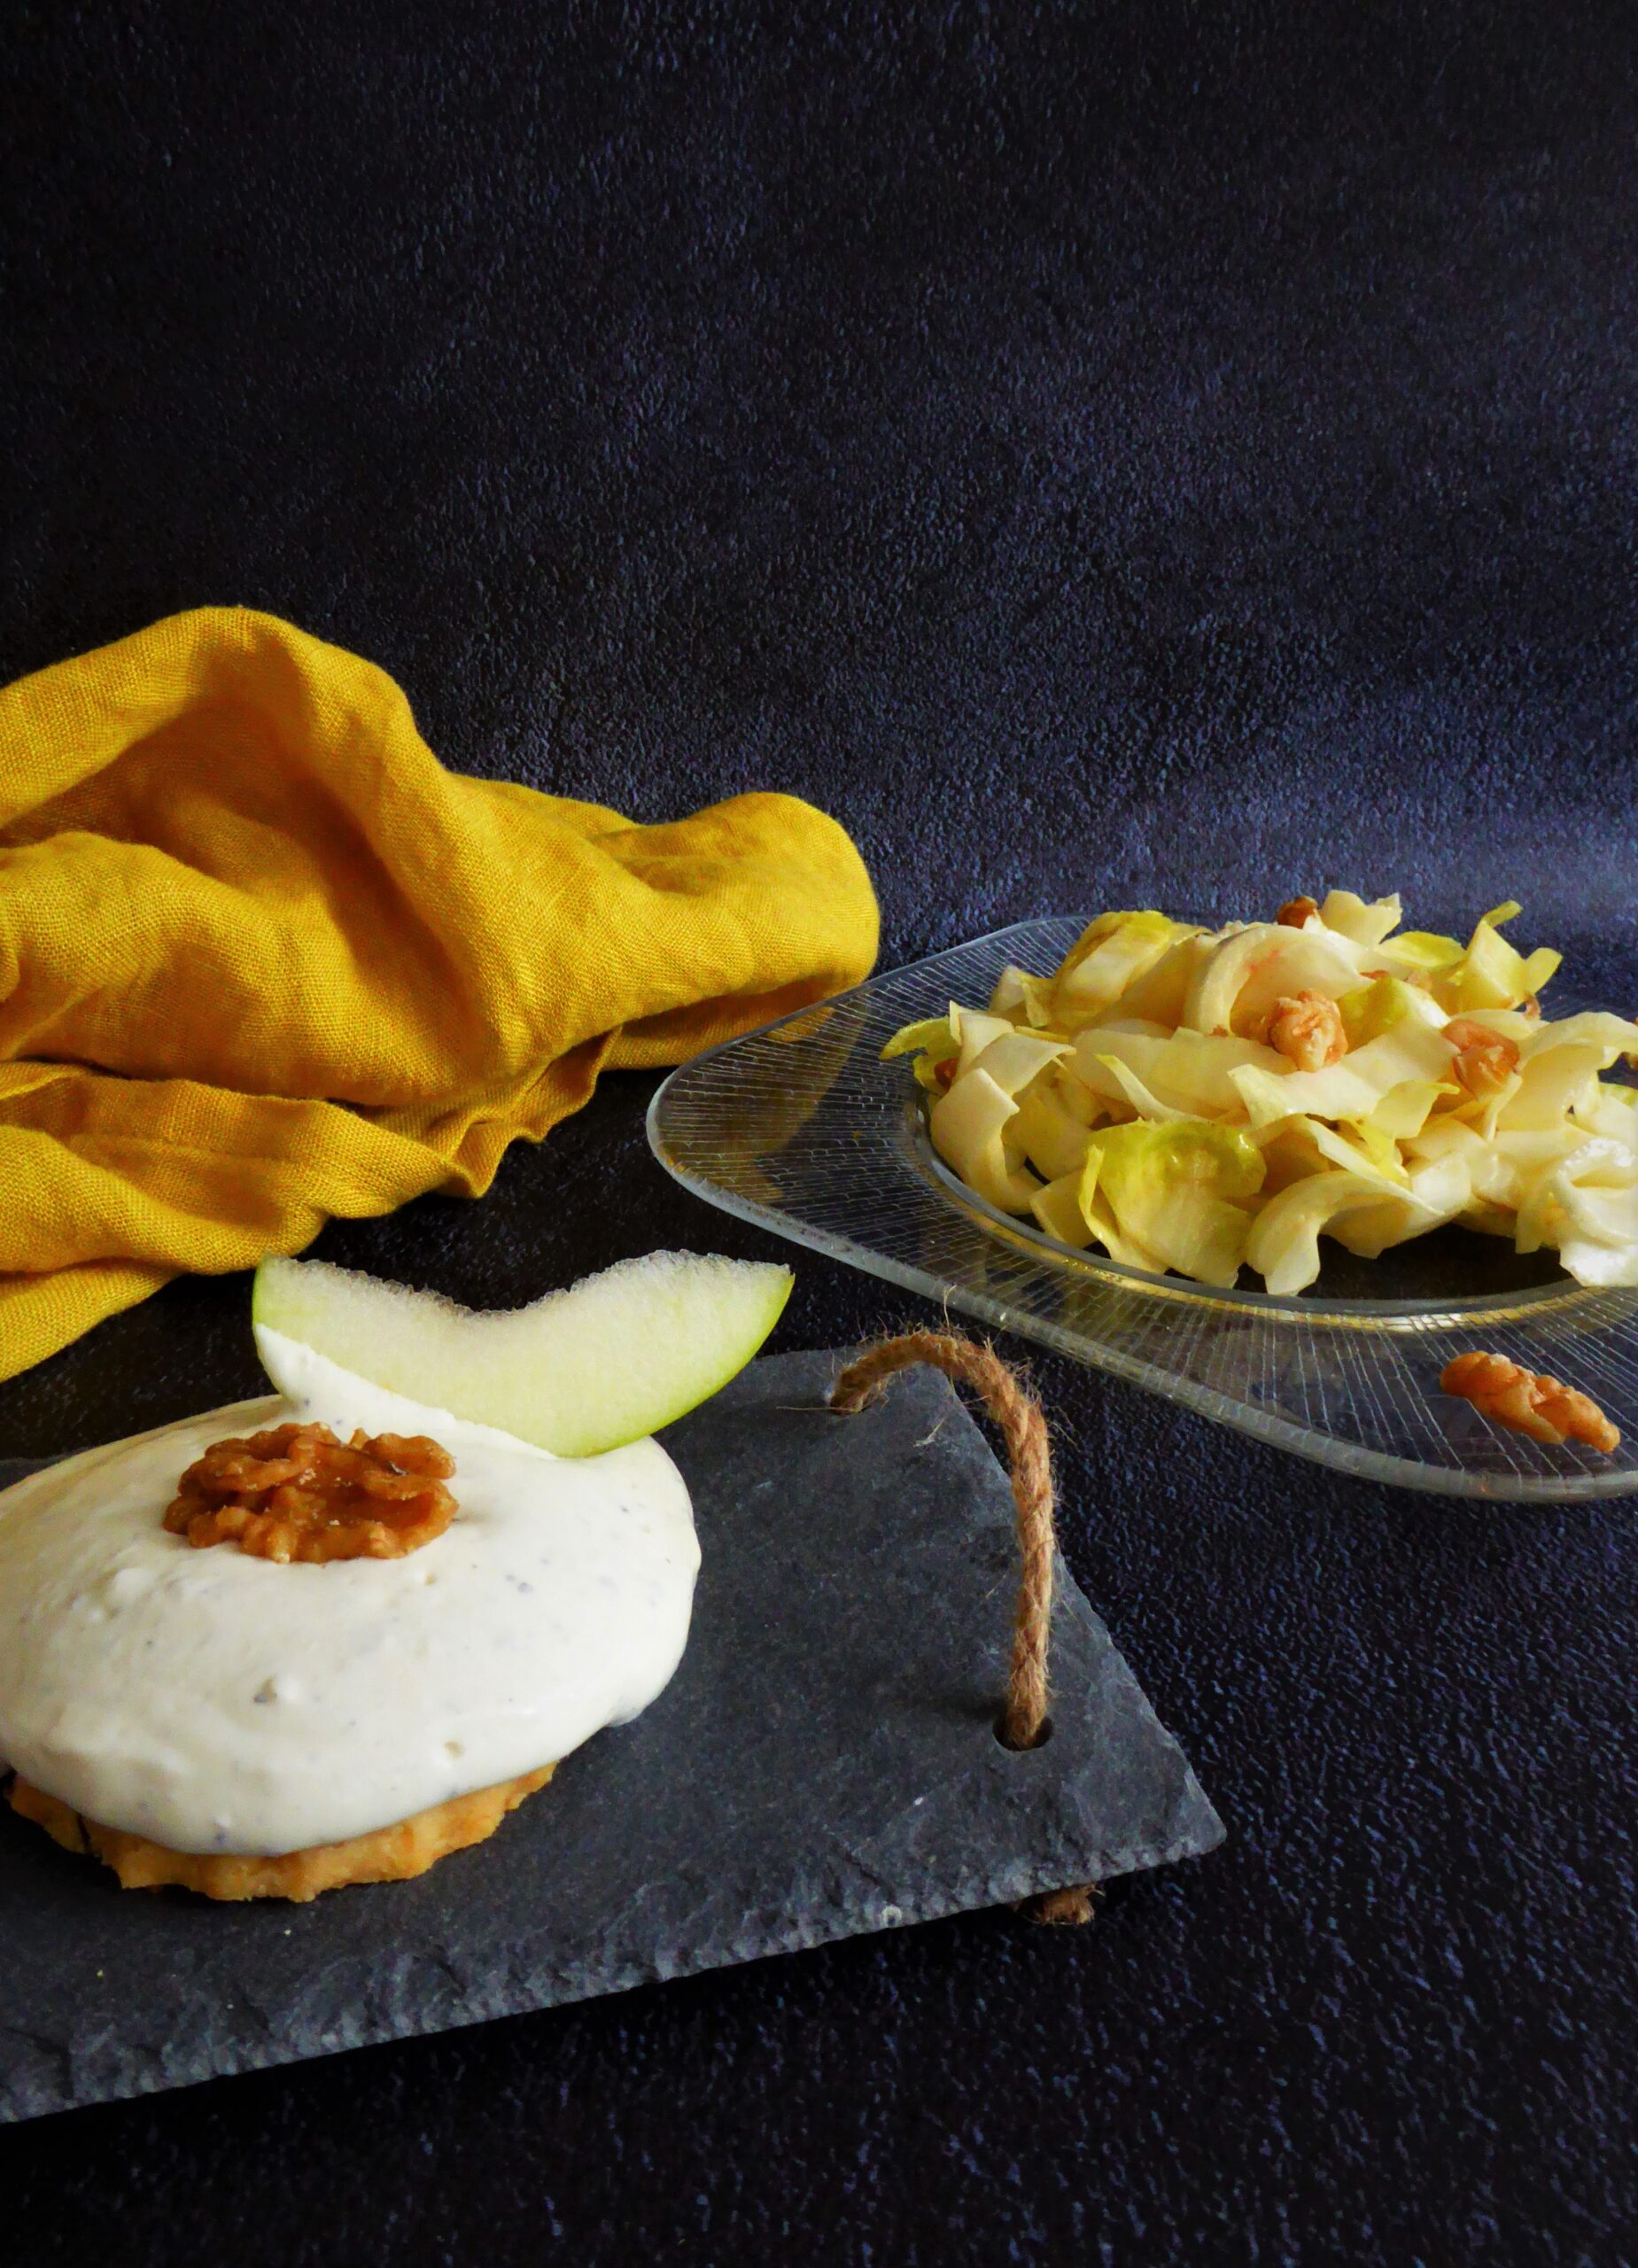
<point>262,959</point>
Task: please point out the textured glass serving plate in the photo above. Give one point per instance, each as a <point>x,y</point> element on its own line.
<point>802,1129</point>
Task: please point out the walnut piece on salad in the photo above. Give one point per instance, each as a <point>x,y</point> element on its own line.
<point>1308,1031</point>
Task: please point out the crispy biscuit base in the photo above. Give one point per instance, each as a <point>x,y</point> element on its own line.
<point>387,1854</point>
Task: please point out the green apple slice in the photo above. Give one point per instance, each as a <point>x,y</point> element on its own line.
<point>615,1356</point>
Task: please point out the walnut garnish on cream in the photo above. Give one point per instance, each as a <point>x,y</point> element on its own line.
<point>298,1492</point>
<point>1530,1402</point>
<point>1307,1028</point>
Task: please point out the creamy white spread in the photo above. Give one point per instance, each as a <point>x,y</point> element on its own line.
<point>213,1701</point>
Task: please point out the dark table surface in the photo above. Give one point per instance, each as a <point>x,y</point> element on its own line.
<point>1104,455</point>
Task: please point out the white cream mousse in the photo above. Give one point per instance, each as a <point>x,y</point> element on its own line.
<point>213,1701</point>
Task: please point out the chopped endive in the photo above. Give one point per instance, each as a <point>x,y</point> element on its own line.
<point>932,1037</point>
<point>1021,997</point>
<point>1116,1240</point>
<point>1375,1143</point>
<point>1405,1109</point>
<point>1552,1083</point>
<point>1420,952</point>
<point>1360,1148</point>
<point>1491,973</point>
<point>1132,1089</point>
<point>1106,957</point>
<point>1411,1053</point>
<point>967,1125</point>
<point>1017,1057</point>
<point>1054,1142</point>
<point>1379,1004</point>
<point>1613,1035</point>
<point>1350,917</point>
<point>1159,993</point>
<point>1191,1099</point>
<point>1173,1189</point>
<point>1283,1245</point>
<point>1007,998</point>
<point>975,1032</point>
<point>1058,1209</point>
<point>1437,1193</point>
<point>1188,1071</point>
<point>930,1043</point>
<point>1588,1204</point>
<point>1107,1231</point>
<point>1612,1112</point>
<point>1501,1171</point>
<point>1294,1147</point>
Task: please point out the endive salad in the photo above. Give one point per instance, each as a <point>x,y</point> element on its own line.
<point>1204,1100</point>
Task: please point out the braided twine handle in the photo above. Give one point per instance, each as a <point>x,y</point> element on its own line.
<point>1017,1416</point>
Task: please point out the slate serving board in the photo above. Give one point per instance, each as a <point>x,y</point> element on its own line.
<point>823,1763</point>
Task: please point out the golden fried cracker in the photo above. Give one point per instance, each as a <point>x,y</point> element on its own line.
<point>387,1854</point>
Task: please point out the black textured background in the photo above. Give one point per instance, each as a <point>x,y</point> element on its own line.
<point>1135,451</point>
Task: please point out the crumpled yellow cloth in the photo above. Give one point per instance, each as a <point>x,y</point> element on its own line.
<point>262,959</point>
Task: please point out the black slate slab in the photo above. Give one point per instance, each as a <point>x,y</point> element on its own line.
<point>823,1763</point>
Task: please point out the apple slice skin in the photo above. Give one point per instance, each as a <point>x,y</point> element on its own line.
<point>608,1360</point>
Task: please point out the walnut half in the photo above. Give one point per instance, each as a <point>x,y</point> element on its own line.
<point>1529,1402</point>
<point>298,1493</point>
<point>1295,912</point>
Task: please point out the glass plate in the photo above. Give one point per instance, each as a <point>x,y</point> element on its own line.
<point>801,1128</point>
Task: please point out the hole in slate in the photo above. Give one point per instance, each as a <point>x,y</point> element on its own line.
<point>1040,1740</point>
